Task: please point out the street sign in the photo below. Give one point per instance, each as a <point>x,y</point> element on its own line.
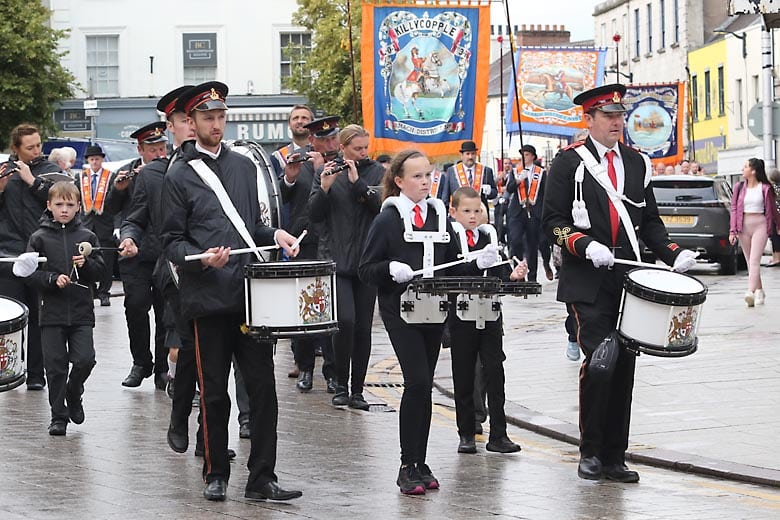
<point>93,112</point>
<point>90,104</point>
<point>755,120</point>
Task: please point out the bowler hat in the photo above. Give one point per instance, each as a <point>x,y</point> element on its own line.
<point>94,149</point>
<point>528,148</point>
<point>468,146</point>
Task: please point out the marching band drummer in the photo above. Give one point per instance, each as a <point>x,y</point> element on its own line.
<point>211,203</point>
<point>388,262</point>
<point>344,203</point>
<point>579,217</point>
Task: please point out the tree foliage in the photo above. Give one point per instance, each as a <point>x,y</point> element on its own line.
<point>327,76</point>
<point>32,78</point>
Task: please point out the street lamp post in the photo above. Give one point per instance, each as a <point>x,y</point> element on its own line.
<point>616,39</point>
<point>501,94</point>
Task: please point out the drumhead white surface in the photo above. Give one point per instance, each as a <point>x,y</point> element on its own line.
<point>667,281</point>
<point>9,309</point>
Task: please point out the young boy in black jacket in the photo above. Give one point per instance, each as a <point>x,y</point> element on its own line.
<point>66,309</point>
<point>468,341</point>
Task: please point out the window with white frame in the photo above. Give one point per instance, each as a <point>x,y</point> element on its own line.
<point>636,32</point>
<point>707,95</point>
<point>663,24</point>
<point>103,65</point>
<point>649,28</point>
<point>294,48</point>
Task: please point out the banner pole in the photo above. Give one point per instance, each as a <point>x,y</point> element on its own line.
<point>514,73</point>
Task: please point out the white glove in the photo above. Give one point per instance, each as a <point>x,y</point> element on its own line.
<point>599,254</point>
<point>685,260</point>
<point>487,256</point>
<point>486,189</point>
<point>116,234</point>
<point>401,272</point>
<point>26,264</point>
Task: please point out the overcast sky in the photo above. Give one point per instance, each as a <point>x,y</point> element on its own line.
<point>576,15</point>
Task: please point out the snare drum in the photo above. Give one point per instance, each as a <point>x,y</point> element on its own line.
<point>660,312</point>
<point>290,299</point>
<point>457,285</point>
<point>267,186</point>
<point>523,289</point>
<point>13,343</point>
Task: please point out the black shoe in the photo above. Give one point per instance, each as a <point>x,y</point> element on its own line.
<point>76,410</point>
<point>105,301</point>
<point>358,402</point>
<point>272,491</point>
<point>294,371</point>
<point>161,380</point>
<point>589,468</point>
<point>58,428</point>
<point>502,445</point>
<point>178,441</point>
<point>199,451</point>
<point>426,475</point>
<point>341,398</point>
<point>215,490</point>
<point>467,444</point>
<point>409,480</point>
<point>548,272</point>
<point>331,386</point>
<point>304,383</point>
<point>244,432</point>
<point>136,375</point>
<point>169,388</point>
<point>620,473</point>
<point>478,428</point>
<point>36,384</point>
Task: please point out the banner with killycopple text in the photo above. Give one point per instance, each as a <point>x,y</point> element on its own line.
<point>548,80</point>
<point>654,121</point>
<point>424,74</point>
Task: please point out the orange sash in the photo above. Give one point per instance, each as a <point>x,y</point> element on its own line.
<point>435,180</point>
<point>536,179</point>
<point>281,155</point>
<point>100,195</point>
<point>463,179</point>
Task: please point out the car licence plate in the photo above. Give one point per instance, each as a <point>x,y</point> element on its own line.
<point>679,220</point>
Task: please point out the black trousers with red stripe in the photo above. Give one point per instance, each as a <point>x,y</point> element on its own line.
<point>217,339</point>
<point>605,403</point>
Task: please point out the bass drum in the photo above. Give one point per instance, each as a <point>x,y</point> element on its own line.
<point>267,186</point>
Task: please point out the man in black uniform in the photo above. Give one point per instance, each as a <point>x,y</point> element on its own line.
<point>295,186</point>
<point>211,289</point>
<point>141,294</point>
<point>589,284</point>
<point>95,183</point>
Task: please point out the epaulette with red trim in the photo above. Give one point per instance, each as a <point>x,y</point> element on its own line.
<point>574,145</point>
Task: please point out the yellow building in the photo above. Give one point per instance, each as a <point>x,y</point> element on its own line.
<point>707,94</point>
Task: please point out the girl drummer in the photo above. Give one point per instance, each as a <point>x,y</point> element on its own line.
<point>753,211</point>
<point>388,262</point>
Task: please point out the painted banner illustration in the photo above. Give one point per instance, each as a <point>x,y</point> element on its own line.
<point>654,122</point>
<point>548,79</point>
<point>424,74</point>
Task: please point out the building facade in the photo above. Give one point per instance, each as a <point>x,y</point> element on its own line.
<point>125,55</point>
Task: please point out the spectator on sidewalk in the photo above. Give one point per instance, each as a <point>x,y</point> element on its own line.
<point>754,215</point>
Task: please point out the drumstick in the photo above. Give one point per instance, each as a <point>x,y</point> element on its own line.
<point>201,256</point>
<point>14,259</point>
<point>86,248</point>
<point>442,266</point>
<point>298,240</point>
<point>642,264</point>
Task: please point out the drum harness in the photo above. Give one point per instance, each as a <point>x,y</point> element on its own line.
<point>599,173</point>
<point>427,238</point>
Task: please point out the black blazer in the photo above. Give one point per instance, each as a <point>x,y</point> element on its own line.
<point>515,208</point>
<point>579,280</point>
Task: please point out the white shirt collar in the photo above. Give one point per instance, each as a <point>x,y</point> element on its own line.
<point>602,150</point>
<point>408,206</point>
<point>199,148</point>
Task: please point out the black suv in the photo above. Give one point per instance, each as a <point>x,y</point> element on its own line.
<point>696,212</point>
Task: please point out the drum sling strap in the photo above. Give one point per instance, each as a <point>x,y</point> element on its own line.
<point>599,173</point>
<point>212,181</point>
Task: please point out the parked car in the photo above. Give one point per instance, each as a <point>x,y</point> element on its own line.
<point>696,213</point>
<point>117,152</point>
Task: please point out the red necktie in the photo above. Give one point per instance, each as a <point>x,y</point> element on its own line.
<point>418,220</point>
<point>614,220</point>
<point>470,238</point>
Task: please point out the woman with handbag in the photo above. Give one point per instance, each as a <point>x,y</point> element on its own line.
<point>753,212</point>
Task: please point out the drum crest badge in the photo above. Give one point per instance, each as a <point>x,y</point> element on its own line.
<point>8,355</point>
<point>682,326</point>
<point>314,302</point>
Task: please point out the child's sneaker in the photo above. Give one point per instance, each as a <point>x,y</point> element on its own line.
<point>409,480</point>
<point>426,476</point>
<point>750,299</point>
<point>58,427</point>
<point>760,296</point>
